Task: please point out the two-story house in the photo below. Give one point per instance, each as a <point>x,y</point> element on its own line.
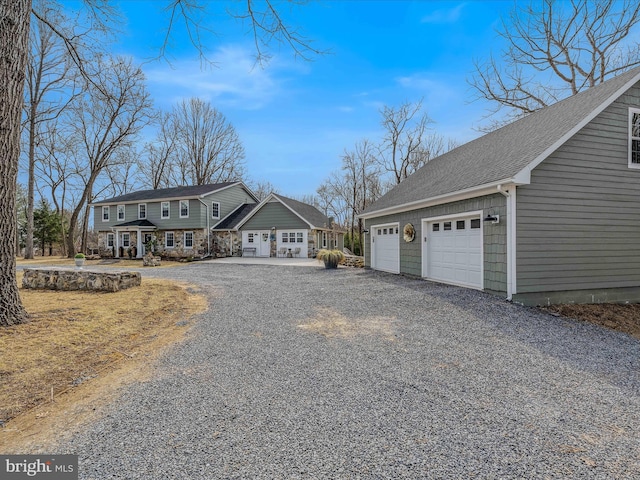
<point>176,220</point>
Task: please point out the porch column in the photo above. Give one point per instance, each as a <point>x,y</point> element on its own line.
<point>139,244</point>
<point>116,242</point>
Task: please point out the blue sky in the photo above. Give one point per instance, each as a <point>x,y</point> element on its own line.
<point>295,118</point>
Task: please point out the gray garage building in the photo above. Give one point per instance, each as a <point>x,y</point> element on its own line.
<point>544,210</point>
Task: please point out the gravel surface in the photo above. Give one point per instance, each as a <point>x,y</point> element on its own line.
<point>308,373</point>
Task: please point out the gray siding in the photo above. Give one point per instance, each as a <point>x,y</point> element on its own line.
<point>578,223</point>
<point>494,241</point>
<point>274,214</point>
<point>229,199</point>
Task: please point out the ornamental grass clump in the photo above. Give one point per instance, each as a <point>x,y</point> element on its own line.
<point>331,258</point>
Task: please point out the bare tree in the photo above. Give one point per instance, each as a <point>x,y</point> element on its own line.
<point>361,184</point>
<point>53,168</point>
<point>556,49</point>
<point>262,188</point>
<point>155,163</point>
<point>48,91</point>
<point>208,148</point>
<point>405,128</point>
<point>106,121</point>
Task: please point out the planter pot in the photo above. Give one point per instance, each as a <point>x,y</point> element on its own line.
<point>328,263</point>
<point>79,262</point>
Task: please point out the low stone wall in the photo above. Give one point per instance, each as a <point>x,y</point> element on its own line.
<point>353,261</point>
<point>78,279</point>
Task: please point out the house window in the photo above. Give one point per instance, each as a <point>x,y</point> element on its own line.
<point>250,237</point>
<point>164,208</point>
<point>299,237</point>
<point>142,211</point>
<point>169,240</point>
<point>475,223</point>
<point>125,240</point>
<point>324,239</point>
<point>120,212</point>
<point>436,227</point>
<point>292,238</point>
<point>215,209</point>
<point>105,214</point>
<point>285,237</point>
<point>188,239</point>
<point>634,137</point>
<point>110,240</point>
<point>447,225</point>
<point>460,225</point>
<point>184,208</point>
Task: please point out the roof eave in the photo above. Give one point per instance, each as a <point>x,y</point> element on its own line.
<point>473,192</point>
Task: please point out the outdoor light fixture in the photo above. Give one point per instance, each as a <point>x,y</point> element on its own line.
<point>492,218</point>
<point>365,231</point>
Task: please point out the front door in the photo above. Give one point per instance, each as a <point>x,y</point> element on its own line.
<point>146,238</point>
<point>265,245</point>
<point>259,240</point>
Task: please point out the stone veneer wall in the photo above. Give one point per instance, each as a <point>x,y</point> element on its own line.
<point>78,279</point>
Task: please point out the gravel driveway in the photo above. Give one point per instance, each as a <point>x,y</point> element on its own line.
<point>307,373</point>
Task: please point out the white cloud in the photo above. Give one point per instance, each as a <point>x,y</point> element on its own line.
<point>236,81</point>
<point>450,15</point>
<point>434,90</point>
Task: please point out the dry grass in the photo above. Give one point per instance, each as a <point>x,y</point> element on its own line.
<point>73,337</point>
<point>624,318</point>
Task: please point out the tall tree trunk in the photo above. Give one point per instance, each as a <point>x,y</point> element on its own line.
<point>28,248</point>
<point>14,44</point>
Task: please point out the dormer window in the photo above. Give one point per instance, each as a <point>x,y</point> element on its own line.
<point>634,138</point>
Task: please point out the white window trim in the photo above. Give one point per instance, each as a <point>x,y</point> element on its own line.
<point>168,210</point>
<point>165,240</point>
<point>632,111</point>
<point>113,240</point>
<point>108,210</point>
<point>124,213</point>
<point>126,244</point>
<point>212,214</point>
<point>145,211</point>
<point>180,208</point>
<point>184,240</point>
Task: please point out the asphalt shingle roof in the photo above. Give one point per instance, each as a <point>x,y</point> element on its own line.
<point>503,153</point>
<point>308,212</point>
<point>161,193</point>
<point>231,221</point>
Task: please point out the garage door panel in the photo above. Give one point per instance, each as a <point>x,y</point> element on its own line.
<point>386,248</point>
<point>455,255</point>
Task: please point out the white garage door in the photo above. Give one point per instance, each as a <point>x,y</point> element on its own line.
<point>454,251</point>
<point>386,248</point>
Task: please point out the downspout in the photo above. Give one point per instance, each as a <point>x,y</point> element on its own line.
<point>206,207</point>
<point>510,194</point>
